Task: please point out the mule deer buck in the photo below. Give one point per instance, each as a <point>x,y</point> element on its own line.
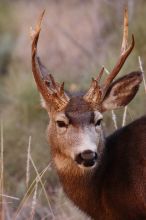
<point>104,176</point>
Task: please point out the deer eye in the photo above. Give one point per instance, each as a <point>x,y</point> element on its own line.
<point>61,124</point>
<point>98,122</point>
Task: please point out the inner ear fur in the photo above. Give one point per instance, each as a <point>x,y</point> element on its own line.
<point>122,91</point>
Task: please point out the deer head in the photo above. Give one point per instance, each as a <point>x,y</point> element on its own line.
<point>75,131</point>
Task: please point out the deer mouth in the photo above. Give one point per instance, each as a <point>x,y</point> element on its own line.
<point>87,158</point>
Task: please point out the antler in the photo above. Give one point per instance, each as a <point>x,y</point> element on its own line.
<point>100,91</point>
<point>94,93</point>
<point>52,92</point>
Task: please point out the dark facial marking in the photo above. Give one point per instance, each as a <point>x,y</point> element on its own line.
<point>79,112</point>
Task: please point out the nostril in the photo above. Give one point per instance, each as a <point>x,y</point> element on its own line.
<point>87,158</point>
<point>89,155</point>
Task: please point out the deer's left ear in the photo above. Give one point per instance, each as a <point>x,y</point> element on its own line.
<point>122,91</point>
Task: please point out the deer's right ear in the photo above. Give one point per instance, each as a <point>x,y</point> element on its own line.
<point>122,91</point>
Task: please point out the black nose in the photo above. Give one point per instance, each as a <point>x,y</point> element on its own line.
<point>87,158</point>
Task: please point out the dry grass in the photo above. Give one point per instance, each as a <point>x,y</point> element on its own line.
<point>142,70</point>
<point>30,205</point>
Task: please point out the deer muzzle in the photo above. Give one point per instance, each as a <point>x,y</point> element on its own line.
<point>87,158</point>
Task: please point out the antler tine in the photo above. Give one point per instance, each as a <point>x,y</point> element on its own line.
<point>35,60</point>
<point>98,78</point>
<point>125,52</point>
<point>94,93</point>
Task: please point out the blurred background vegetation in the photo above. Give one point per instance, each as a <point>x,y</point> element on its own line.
<point>78,37</point>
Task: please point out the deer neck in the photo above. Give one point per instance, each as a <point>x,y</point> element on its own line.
<point>82,186</point>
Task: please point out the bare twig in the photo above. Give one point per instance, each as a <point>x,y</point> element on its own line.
<point>114,118</point>
<point>28,192</point>
<point>124,116</point>
<point>142,70</point>
<point>34,201</point>
<point>28,163</point>
<point>2,173</point>
<point>39,179</point>
<point>10,197</point>
<point>107,71</point>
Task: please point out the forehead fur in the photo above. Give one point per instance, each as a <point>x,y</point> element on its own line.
<point>78,104</point>
<point>79,111</point>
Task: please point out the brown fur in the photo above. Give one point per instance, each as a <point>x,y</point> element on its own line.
<point>113,187</point>
<point>116,188</point>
